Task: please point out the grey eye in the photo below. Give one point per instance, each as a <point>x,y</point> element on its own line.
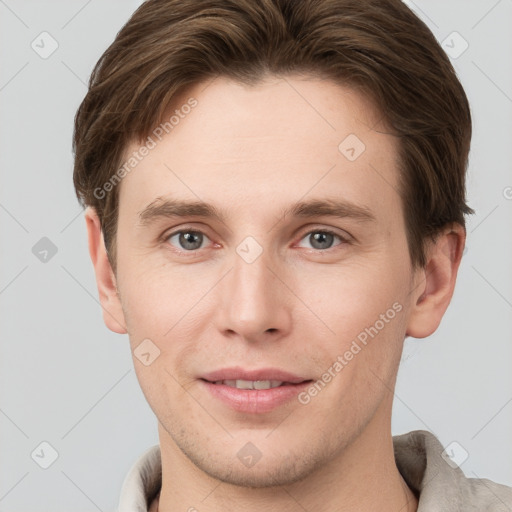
<point>321,240</point>
<point>188,240</point>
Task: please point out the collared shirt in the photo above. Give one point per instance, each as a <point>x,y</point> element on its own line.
<point>429,471</point>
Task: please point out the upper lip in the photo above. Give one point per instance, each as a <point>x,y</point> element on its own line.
<point>238,373</point>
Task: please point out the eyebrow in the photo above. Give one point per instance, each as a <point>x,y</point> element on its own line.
<point>168,208</point>
<point>171,208</point>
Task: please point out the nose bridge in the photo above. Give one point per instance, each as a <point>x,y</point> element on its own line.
<point>250,272</point>
<point>253,301</point>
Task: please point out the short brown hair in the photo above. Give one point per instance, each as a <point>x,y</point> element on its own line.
<point>378,47</point>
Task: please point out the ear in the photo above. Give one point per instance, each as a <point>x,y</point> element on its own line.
<point>113,315</point>
<point>434,284</point>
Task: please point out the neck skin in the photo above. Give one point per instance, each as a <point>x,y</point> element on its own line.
<point>363,477</point>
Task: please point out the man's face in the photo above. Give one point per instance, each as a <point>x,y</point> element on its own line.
<point>259,290</point>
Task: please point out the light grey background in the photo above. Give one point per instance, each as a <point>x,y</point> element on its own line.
<point>68,381</point>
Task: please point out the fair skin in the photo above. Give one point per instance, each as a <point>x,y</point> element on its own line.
<point>252,152</point>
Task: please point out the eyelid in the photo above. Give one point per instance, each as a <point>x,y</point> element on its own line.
<point>180,229</point>
<point>164,238</point>
<point>343,239</point>
<point>342,234</point>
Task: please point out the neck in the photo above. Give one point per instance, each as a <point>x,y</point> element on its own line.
<point>362,477</point>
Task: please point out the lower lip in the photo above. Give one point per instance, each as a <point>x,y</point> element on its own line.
<point>255,400</point>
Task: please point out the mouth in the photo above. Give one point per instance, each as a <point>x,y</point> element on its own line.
<point>252,384</point>
<point>256,391</point>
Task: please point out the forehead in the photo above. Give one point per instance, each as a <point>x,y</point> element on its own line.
<point>274,142</point>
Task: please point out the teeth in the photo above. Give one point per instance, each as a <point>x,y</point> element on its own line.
<point>251,384</point>
<point>244,384</point>
<point>266,384</point>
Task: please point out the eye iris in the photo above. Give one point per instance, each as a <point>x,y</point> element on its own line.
<point>321,240</point>
<point>190,237</point>
<point>192,240</point>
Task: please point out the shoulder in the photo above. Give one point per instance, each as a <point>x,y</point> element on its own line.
<point>142,482</point>
<point>439,482</point>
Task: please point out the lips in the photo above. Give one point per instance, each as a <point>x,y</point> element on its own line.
<point>253,391</point>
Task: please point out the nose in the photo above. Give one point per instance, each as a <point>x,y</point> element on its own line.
<point>254,303</point>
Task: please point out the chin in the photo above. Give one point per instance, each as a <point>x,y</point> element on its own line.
<point>270,467</point>
<point>263,475</point>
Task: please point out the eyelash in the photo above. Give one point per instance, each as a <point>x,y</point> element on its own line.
<point>165,238</point>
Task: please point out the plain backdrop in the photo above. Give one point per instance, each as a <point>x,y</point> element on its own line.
<point>68,382</point>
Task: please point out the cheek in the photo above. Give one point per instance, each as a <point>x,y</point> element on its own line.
<point>347,300</point>
<point>359,363</point>
<point>166,392</point>
<point>365,311</point>
<point>160,302</point>
<point>173,312</point>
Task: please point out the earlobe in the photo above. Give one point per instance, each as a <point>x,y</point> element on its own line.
<point>434,285</point>
<point>113,315</point>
